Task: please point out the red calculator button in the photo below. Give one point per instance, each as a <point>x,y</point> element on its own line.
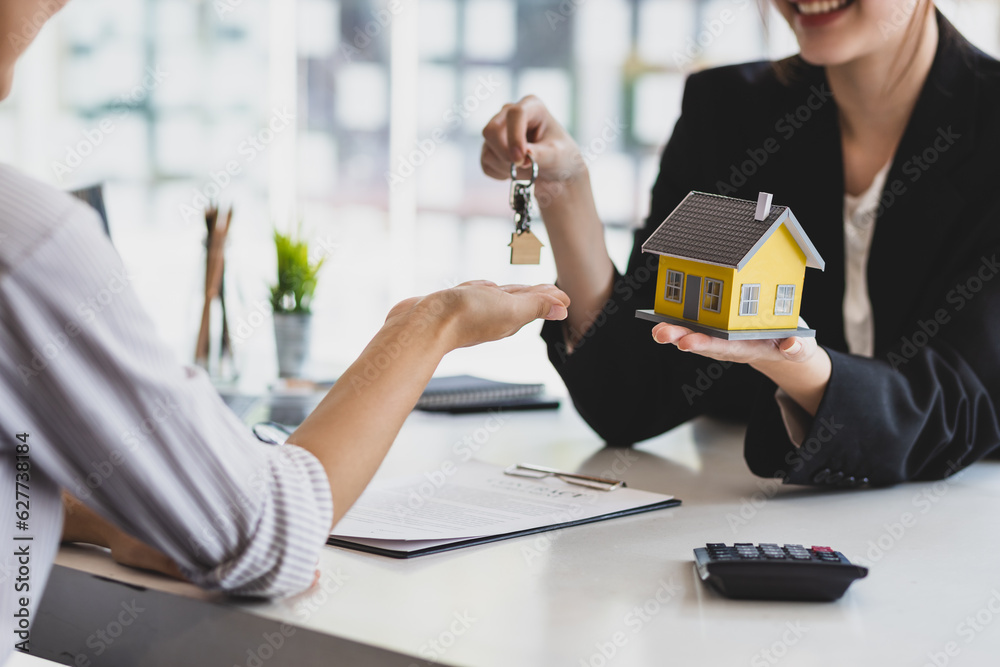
<point>826,549</point>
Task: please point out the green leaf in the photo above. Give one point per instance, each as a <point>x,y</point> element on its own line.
<point>297,276</point>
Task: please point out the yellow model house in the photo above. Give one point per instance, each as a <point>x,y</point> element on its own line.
<point>731,268</point>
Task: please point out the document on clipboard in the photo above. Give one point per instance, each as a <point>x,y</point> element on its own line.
<point>476,502</point>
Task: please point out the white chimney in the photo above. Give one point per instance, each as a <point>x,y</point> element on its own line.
<point>763,206</point>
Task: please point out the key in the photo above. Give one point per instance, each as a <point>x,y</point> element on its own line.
<point>525,248</point>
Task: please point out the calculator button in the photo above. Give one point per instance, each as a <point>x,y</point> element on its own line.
<point>821,476</point>
<point>826,549</point>
<point>716,545</point>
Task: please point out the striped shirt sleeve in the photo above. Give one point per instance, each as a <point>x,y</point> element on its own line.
<point>140,438</point>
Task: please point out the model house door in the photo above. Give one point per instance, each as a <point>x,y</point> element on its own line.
<point>692,295</point>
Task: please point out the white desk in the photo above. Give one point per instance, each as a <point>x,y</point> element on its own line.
<point>560,598</point>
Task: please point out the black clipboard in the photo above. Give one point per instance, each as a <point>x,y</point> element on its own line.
<point>346,543</point>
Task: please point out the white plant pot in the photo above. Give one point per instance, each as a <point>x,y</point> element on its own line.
<point>292,335</point>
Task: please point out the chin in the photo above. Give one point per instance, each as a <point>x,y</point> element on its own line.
<point>833,32</point>
<point>825,55</point>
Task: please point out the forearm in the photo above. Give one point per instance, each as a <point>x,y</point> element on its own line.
<point>82,524</point>
<point>353,427</point>
<point>584,269</point>
<point>805,382</point>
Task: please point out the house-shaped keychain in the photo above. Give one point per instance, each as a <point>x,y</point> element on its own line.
<point>731,268</point>
<point>525,248</point>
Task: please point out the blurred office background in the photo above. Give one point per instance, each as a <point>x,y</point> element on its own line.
<point>362,119</point>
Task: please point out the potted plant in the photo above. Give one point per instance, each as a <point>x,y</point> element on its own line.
<point>291,300</point>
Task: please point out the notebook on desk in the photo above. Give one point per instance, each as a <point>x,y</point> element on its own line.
<point>468,393</point>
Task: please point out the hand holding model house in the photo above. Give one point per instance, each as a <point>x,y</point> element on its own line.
<point>731,269</point>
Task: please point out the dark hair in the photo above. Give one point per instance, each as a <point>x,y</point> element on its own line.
<point>788,69</point>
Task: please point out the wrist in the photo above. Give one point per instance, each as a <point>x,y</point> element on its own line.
<point>560,193</point>
<point>432,324</point>
<point>81,524</point>
<point>804,381</point>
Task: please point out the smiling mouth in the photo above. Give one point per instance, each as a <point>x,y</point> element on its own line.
<point>815,7</point>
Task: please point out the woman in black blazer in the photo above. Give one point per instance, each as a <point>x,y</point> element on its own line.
<point>871,90</point>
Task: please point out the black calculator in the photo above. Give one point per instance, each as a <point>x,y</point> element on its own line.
<point>773,572</point>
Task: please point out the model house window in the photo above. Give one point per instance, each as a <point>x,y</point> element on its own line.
<point>713,295</point>
<point>749,296</point>
<point>675,286</point>
<point>784,300</point>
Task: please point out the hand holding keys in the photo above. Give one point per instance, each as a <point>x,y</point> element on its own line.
<point>525,248</point>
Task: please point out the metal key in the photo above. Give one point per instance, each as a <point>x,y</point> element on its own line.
<point>525,248</point>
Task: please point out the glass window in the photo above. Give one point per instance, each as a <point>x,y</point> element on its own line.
<point>784,300</point>
<point>713,295</point>
<point>749,296</point>
<point>675,286</point>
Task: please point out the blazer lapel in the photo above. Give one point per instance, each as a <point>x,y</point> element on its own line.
<point>813,162</point>
<point>920,200</point>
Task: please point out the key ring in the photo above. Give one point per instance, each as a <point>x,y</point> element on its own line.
<point>534,171</point>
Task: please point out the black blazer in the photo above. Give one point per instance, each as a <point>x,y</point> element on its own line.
<point>928,403</point>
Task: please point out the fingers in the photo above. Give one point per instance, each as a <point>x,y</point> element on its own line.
<point>551,290</point>
<point>493,165</point>
<point>488,283</point>
<point>797,349</point>
<point>517,133</point>
<point>550,302</point>
<point>669,333</point>
<point>744,351</point>
<point>510,134</point>
<point>495,135</point>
